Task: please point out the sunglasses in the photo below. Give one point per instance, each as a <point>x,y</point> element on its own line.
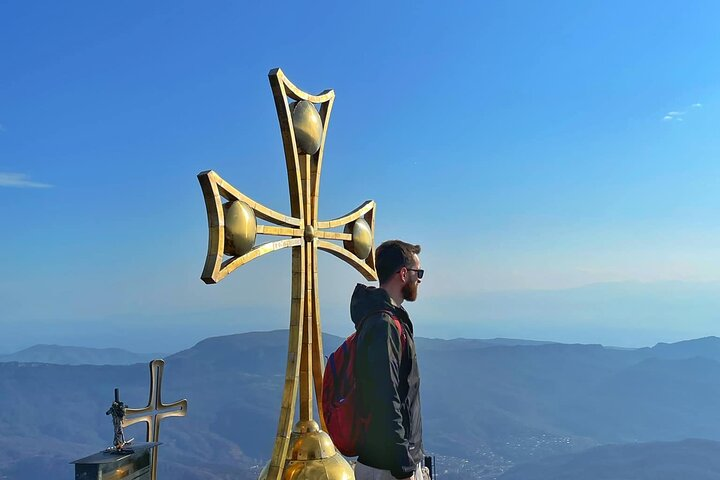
<point>420,272</point>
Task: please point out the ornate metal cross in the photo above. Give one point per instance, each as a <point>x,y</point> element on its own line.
<point>233,224</point>
<point>155,411</point>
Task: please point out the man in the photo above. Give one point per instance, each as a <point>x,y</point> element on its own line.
<point>388,380</point>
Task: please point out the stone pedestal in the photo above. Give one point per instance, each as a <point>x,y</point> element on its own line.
<point>116,466</point>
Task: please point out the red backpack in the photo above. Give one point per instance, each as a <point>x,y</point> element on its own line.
<point>340,402</point>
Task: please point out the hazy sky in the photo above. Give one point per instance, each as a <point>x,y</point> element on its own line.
<point>526,145</point>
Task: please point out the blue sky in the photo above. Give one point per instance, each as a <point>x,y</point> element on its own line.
<point>528,146</point>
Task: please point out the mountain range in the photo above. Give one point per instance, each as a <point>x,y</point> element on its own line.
<point>489,406</point>
<point>63,355</point>
<point>692,458</point>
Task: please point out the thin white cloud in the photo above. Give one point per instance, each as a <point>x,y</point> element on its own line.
<point>19,180</point>
<point>677,116</point>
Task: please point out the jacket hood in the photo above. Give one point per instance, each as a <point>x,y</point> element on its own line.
<point>366,300</point>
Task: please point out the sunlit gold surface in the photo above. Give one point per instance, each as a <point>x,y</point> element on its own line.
<point>309,233</point>
<point>155,411</point>
<point>307,452</point>
<point>240,228</point>
<point>362,238</point>
<point>308,442</point>
<point>307,126</point>
<point>313,456</point>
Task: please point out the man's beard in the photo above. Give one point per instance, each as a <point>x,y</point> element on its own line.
<point>409,291</point>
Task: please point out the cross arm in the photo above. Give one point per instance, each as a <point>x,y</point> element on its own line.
<point>358,236</point>
<point>235,237</point>
<point>368,272</point>
<point>228,266</point>
<point>296,93</point>
<point>148,420</point>
<point>350,217</point>
<point>175,409</point>
<point>155,410</point>
<point>215,188</point>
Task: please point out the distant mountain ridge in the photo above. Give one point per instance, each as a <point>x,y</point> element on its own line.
<point>70,355</point>
<point>690,459</point>
<point>470,343</point>
<point>606,311</point>
<point>490,407</point>
<point>66,355</point>
<point>701,347</point>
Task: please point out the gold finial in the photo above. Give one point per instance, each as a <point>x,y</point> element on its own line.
<point>307,126</point>
<point>362,238</point>
<point>309,233</point>
<point>240,228</point>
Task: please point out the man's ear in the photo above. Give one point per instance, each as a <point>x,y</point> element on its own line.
<point>403,274</point>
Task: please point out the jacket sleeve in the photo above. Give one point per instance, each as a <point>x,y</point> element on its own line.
<point>383,356</point>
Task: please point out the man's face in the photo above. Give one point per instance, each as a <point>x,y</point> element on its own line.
<point>410,288</point>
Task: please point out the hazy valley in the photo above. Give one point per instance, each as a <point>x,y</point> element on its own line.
<point>492,408</point>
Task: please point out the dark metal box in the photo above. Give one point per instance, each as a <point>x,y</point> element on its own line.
<point>114,466</point>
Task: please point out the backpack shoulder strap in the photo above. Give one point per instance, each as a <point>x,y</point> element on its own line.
<point>398,325</point>
<point>396,321</point>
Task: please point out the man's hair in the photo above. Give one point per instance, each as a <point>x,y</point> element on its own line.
<point>391,256</point>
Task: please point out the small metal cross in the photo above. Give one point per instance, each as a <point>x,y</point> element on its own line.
<point>155,411</point>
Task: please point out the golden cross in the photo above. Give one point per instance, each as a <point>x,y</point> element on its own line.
<point>233,224</point>
<point>155,411</point>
